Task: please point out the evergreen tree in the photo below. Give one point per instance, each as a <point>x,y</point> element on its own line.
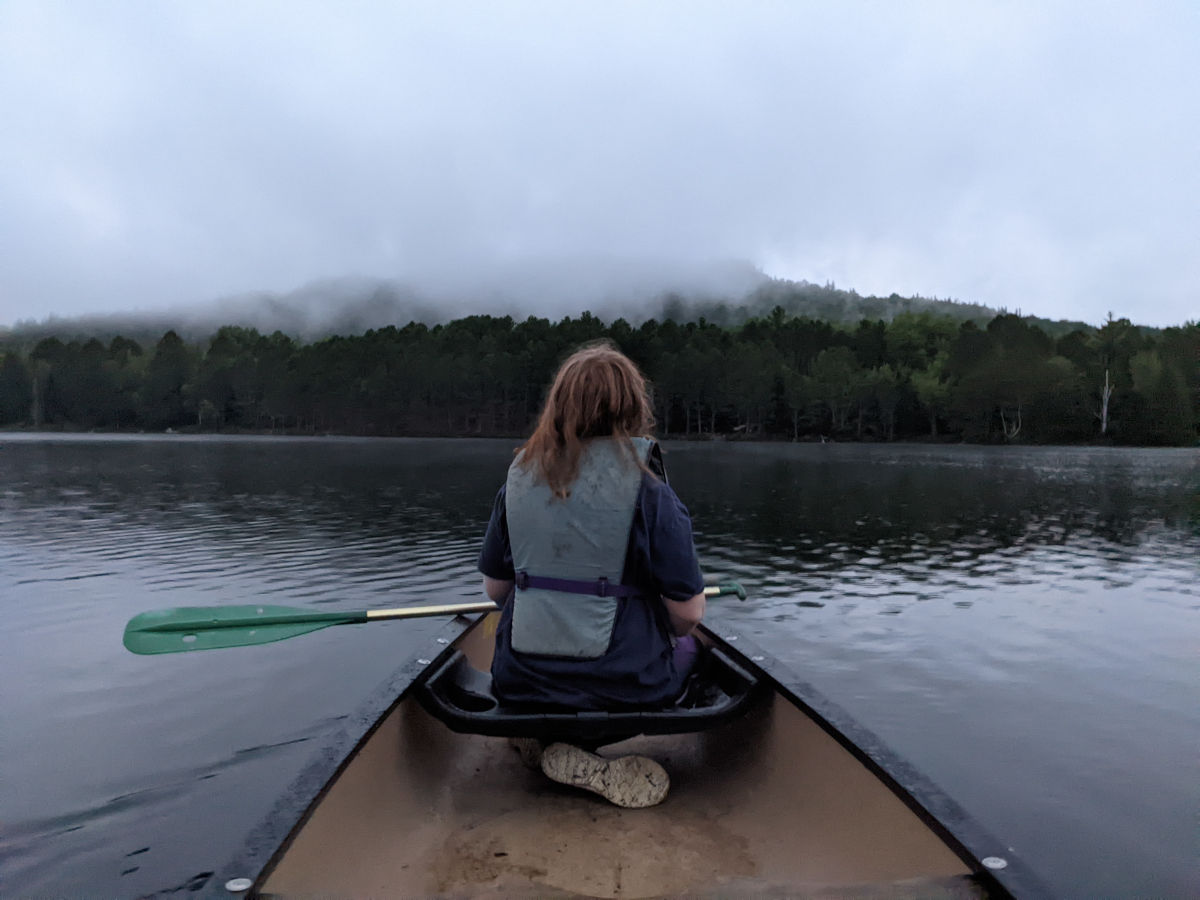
<point>16,390</point>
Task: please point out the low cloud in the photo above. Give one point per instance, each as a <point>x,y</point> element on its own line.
<point>1018,155</point>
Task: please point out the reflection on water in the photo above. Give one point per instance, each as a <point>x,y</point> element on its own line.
<point>1020,623</point>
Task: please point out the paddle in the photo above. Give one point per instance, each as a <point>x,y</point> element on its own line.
<point>212,627</point>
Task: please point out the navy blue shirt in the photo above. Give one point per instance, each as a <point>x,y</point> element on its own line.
<point>637,670</point>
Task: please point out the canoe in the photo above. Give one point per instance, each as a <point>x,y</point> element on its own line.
<point>780,793</point>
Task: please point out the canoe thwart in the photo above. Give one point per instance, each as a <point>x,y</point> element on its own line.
<point>461,697</point>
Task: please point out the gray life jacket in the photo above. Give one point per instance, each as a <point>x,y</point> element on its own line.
<point>577,543</point>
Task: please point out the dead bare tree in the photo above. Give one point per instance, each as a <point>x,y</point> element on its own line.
<point>1105,393</point>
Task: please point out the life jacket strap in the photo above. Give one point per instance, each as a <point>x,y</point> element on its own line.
<point>601,587</point>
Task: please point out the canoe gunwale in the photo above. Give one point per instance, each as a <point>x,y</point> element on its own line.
<point>273,835</point>
<point>942,814</point>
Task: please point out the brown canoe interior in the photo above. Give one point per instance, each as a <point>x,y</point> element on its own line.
<point>768,805</point>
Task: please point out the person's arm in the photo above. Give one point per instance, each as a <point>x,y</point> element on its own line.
<point>685,615</point>
<point>495,556</point>
<point>499,589</point>
<point>672,556</point>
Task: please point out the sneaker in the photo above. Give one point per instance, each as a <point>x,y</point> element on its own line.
<point>630,781</point>
<point>530,750</point>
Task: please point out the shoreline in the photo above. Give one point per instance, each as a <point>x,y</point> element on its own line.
<point>948,441</point>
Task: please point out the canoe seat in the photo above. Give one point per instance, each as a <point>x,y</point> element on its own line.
<point>461,696</point>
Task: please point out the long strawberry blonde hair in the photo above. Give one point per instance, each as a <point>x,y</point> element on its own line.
<point>597,392</point>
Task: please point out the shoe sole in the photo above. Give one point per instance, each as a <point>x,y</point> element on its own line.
<point>633,782</point>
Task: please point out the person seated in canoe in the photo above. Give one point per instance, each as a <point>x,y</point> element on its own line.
<point>590,553</point>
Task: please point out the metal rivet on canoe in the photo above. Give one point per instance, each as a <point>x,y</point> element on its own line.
<point>732,637</point>
<point>995,862</point>
<point>758,658</point>
<point>238,885</point>
<point>442,641</point>
<point>423,662</point>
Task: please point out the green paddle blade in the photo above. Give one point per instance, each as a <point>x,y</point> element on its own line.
<point>725,587</point>
<point>208,628</point>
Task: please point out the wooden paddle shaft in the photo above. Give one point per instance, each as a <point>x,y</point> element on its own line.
<point>464,609</point>
<point>447,609</point>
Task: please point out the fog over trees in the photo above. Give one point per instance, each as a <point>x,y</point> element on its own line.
<point>726,294</point>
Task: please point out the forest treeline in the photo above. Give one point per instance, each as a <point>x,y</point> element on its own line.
<point>778,376</point>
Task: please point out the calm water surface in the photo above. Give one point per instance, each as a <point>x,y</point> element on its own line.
<point>1021,624</point>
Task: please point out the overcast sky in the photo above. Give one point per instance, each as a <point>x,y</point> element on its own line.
<point>1042,156</point>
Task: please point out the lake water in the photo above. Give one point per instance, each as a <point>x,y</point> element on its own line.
<point>1022,624</point>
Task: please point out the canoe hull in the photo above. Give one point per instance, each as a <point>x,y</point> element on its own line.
<point>771,800</point>
<point>780,802</point>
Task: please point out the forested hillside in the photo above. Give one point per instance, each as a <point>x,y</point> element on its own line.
<point>830,303</point>
<point>917,376</point>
